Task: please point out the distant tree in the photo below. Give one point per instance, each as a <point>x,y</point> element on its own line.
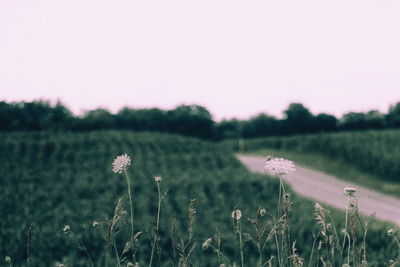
<point>192,120</point>
<point>96,119</point>
<point>393,116</point>
<point>228,129</point>
<point>61,117</point>
<point>325,122</point>
<point>6,117</point>
<point>142,119</point>
<point>298,119</point>
<point>353,121</point>
<point>260,125</point>
<point>375,119</point>
<point>362,121</point>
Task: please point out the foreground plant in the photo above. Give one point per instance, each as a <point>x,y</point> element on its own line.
<point>121,165</point>
<point>157,179</point>
<point>326,249</point>
<point>279,167</point>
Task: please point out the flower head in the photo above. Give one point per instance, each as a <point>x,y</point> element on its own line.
<point>8,259</point>
<point>66,229</point>
<point>236,215</point>
<point>206,244</point>
<point>279,166</point>
<point>261,212</point>
<point>390,232</point>
<point>121,163</point>
<point>157,179</point>
<point>350,191</point>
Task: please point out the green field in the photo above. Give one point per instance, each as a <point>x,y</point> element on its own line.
<point>48,181</point>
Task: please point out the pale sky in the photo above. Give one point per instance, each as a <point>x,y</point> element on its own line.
<point>237,58</point>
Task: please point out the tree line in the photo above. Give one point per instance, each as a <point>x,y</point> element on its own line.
<point>190,120</point>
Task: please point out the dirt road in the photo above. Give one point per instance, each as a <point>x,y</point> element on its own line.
<point>327,189</point>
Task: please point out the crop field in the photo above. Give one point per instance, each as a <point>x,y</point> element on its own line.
<point>49,181</point>
<point>377,152</point>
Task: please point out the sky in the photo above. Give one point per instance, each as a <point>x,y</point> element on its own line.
<point>236,58</point>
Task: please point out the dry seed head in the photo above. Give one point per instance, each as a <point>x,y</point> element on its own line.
<point>66,229</point>
<point>207,244</point>
<point>121,163</point>
<point>350,191</point>
<point>279,166</point>
<point>261,212</point>
<point>95,223</point>
<point>236,215</point>
<point>390,232</point>
<point>157,179</point>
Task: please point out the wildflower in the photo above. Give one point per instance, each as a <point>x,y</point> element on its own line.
<point>390,232</point>
<point>222,265</point>
<point>261,212</point>
<point>279,166</point>
<point>157,179</point>
<point>206,244</point>
<point>95,223</point>
<point>66,229</point>
<point>236,215</point>
<point>8,259</point>
<point>350,191</point>
<point>121,163</point>
<point>60,265</point>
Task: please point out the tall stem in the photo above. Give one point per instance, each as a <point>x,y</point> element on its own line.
<point>116,253</point>
<point>158,221</point>
<point>345,228</point>
<point>131,207</point>
<point>240,244</point>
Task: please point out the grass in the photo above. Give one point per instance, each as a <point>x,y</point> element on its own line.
<point>50,180</point>
<point>335,167</point>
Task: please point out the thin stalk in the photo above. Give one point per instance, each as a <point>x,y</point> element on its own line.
<point>397,241</point>
<point>241,244</point>
<point>278,250</point>
<point>116,253</point>
<point>86,251</point>
<point>348,250</point>
<point>157,224</point>
<point>312,250</point>
<point>345,228</point>
<point>107,254</point>
<point>131,207</point>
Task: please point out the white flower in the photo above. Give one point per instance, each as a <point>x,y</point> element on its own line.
<point>350,191</point>
<point>279,166</point>
<point>261,212</point>
<point>236,215</point>
<point>390,232</point>
<point>157,179</point>
<point>66,229</point>
<point>121,163</point>
<point>206,244</point>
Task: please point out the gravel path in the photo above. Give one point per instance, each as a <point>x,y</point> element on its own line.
<point>327,189</point>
